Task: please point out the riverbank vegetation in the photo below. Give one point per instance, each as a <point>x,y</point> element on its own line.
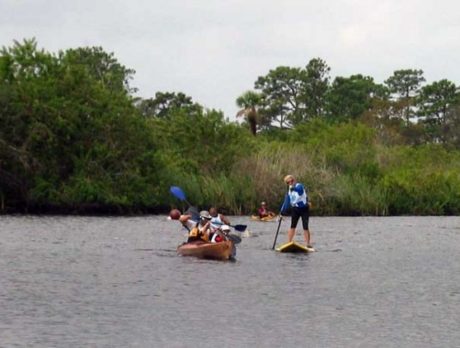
<point>74,138</point>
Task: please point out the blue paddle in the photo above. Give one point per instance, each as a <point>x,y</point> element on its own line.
<point>180,195</point>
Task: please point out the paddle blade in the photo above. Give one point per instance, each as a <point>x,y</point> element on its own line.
<point>178,193</point>
<point>234,238</point>
<point>240,228</point>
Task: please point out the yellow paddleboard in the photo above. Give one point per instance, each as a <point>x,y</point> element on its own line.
<point>294,247</point>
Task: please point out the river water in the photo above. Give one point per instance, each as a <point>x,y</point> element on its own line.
<point>117,282</point>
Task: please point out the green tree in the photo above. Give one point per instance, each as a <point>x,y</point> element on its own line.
<point>282,90</point>
<point>316,88</point>
<point>405,85</point>
<point>350,97</point>
<point>436,99</point>
<point>451,129</point>
<point>69,133</point>
<point>165,103</point>
<point>25,78</point>
<point>102,66</point>
<point>249,103</point>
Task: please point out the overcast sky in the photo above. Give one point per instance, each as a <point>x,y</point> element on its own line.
<point>214,50</point>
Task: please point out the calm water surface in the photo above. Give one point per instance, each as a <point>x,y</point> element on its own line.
<point>117,282</point>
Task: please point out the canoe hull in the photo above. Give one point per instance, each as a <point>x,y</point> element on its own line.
<point>294,247</point>
<point>205,250</point>
<point>264,219</point>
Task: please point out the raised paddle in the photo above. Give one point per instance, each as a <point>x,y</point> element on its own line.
<point>180,195</point>
<point>280,218</point>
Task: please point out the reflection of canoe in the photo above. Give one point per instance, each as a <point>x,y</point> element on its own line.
<point>206,250</point>
<point>293,247</point>
<point>265,219</point>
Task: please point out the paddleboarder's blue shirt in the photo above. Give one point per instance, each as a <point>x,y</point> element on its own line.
<point>298,196</point>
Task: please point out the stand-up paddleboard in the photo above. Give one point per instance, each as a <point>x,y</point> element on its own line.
<point>294,247</point>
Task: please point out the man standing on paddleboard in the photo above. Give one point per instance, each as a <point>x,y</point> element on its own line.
<point>300,208</point>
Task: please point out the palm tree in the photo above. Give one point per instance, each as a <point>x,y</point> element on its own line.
<point>249,101</point>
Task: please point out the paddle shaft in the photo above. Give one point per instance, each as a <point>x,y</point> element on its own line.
<point>277,231</point>
<point>279,223</point>
<point>239,228</point>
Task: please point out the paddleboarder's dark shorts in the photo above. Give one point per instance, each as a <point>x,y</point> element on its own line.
<point>298,213</point>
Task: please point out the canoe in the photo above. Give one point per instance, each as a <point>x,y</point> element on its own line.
<point>206,250</point>
<point>294,247</point>
<point>265,219</point>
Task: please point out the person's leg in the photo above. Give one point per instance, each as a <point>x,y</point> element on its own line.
<point>306,230</point>
<point>306,237</point>
<point>294,220</point>
<point>291,234</point>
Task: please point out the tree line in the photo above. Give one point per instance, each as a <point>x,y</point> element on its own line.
<point>289,96</point>
<point>75,139</point>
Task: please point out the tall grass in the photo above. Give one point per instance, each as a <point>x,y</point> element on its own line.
<point>344,176</point>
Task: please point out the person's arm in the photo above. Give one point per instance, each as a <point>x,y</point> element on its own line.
<point>224,219</point>
<point>184,218</point>
<point>207,228</point>
<point>299,189</point>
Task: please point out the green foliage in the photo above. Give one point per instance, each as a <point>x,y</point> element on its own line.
<point>356,195</point>
<point>165,104</point>
<point>249,102</point>
<point>435,100</point>
<point>282,90</point>
<point>316,88</point>
<point>293,95</point>
<point>430,194</point>
<point>349,98</point>
<point>70,135</point>
<point>405,84</point>
<point>201,142</point>
<point>74,139</point>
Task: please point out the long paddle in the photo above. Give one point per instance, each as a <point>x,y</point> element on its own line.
<point>180,195</point>
<point>280,218</point>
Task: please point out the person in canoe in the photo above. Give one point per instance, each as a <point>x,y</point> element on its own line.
<point>220,234</point>
<point>217,220</point>
<point>300,208</point>
<point>263,211</point>
<point>202,231</point>
<point>198,230</point>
